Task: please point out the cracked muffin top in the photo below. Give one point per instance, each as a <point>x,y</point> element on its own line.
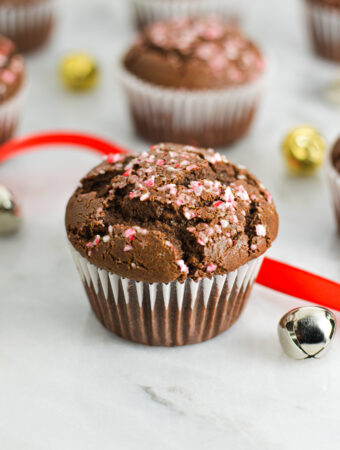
<point>170,213</point>
<point>194,54</point>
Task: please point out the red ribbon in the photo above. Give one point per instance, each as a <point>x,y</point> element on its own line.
<point>274,275</point>
<point>35,141</point>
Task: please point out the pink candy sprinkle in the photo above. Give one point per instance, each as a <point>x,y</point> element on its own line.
<point>211,268</point>
<point>145,196</point>
<point>127,173</point>
<point>202,240</point>
<point>130,234</point>
<point>218,204</point>
<point>253,247</point>
<point>214,158</point>
<point>113,158</point>
<point>269,198</point>
<point>183,267</point>
<point>228,196</point>
<point>191,167</point>
<point>189,214</point>
<point>260,230</point>
<point>127,248</point>
<point>242,193</point>
<point>7,76</point>
<point>150,181</point>
<point>160,162</point>
<point>197,187</point>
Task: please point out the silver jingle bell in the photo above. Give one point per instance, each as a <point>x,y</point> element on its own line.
<point>306,332</point>
<point>10,216</point>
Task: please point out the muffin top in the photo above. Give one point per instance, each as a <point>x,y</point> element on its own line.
<point>194,54</point>
<point>335,155</point>
<point>11,69</point>
<point>172,213</point>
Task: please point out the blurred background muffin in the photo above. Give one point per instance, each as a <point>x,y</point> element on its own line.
<point>28,23</point>
<point>169,243</point>
<point>323,17</point>
<point>149,11</point>
<point>193,81</point>
<point>12,80</point>
<point>333,173</point>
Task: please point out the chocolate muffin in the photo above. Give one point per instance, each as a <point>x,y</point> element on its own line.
<point>333,172</point>
<point>169,242</point>
<point>12,78</point>
<point>194,81</point>
<point>149,11</point>
<point>28,23</point>
<point>323,17</point>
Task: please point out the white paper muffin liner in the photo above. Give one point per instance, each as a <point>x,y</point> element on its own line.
<point>149,11</point>
<point>210,118</point>
<point>28,25</point>
<point>10,112</point>
<point>324,28</point>
<point>167,314</point>
<point>334,183</point>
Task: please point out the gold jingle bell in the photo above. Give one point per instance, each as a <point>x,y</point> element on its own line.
<point>79,72</point>
<point>304,150</point>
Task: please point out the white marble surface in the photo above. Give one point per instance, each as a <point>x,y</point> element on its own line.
<point>67,383</point>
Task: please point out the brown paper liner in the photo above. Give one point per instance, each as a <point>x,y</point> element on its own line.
<point>324,30</point>
<point>334,184</point>
<point>207,118</point>
<point>210,135</point>
<point>167,315</point>
<point>29,26</point>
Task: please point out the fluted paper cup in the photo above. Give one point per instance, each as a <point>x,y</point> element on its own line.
<point>28,25</point>
<point>167,314</point>
<point>10,112</point>
<point>208,118</point>
<point>333,177</point>
<point>324,29</point>
<point>149,11</point>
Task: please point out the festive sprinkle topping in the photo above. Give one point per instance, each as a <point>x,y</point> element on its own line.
<point>202,213</point>
<point>215,43</point>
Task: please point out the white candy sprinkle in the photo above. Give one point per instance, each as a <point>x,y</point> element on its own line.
<point>260,230</point>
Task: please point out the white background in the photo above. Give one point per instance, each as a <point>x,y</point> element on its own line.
<point>67,383</point>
